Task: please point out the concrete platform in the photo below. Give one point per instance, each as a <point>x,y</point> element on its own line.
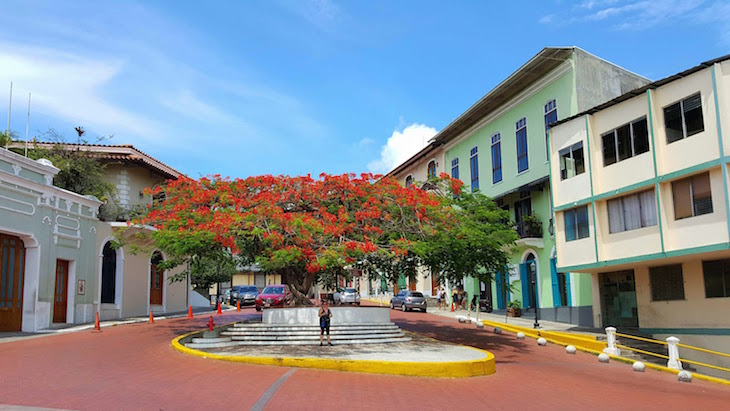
<point>421,356</point>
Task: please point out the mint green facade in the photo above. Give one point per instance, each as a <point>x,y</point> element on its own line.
<point>47,224</point>
<point>581,82</point>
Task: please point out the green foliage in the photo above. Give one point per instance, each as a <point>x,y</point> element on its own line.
<point>6,137</point>
<point>80,171</point>
<point>208,269</point>
<point>477,243</point>
<point>514,304</point>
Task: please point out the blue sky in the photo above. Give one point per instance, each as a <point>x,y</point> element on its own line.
<point>309,86</point>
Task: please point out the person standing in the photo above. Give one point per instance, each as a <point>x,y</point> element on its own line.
<point>439,295</point>
<point>324,322</point>
<point>455,299</point>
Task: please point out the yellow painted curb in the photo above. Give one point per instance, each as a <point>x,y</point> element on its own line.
<point>453,369</point>
<point>586,344</point>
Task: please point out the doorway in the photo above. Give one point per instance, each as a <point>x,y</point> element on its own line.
<point>157,278</point>
<point>108,274</point>
<point>618,299</point>
<point>12,257</point>
<point>60,294</point>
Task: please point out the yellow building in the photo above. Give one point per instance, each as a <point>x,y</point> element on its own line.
<point>640,189</point>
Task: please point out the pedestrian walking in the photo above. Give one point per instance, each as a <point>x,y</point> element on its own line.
<point>324,322</point>
<point>455,298</point>
<point>439,295</point>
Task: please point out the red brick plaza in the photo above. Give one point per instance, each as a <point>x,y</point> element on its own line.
<point>133,367</point>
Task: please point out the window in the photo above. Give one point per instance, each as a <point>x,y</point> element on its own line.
<point>625,142</point>
<point>692,196</point>
<point>431,169</point>
<point>632,212</point>
<point>409,181</point>
<point>523,208</point>
<point>717,278</point>
<point>667,283</point>
<point>576,223</point>
<point>496,159</point>
<point>521,134</point>
<point>455,168</point>
<point>684,118</point>
<point>474,164</point>
<point>563,289</point>
<point>551,117</point>
<point>571,161</point>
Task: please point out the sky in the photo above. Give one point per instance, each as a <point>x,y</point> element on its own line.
<point>296,87</point>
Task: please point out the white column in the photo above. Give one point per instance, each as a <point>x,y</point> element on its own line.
<point>673,362</point>
<point>611,339</point>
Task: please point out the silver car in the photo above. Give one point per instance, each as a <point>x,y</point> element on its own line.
<point>348,296</point>
<point>407,300</point>
<point>247,294</point>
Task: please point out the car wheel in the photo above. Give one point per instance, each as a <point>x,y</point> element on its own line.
<point>258,308</point>
<point>403,308</point>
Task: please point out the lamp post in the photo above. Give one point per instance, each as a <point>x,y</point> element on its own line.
<point>533,276</point>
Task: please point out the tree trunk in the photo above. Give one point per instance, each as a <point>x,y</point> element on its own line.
<point>299,284</point>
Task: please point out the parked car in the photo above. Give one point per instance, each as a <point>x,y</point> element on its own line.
<point>347,296</point>
<point>232,294</point>
<point>407,300</point>
<point>246,294</point>
<point>226,296</point>
<point>273,296</point>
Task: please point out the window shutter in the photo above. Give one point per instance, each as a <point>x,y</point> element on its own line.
<point>581,217</point>
<point>568,303</point>
<point>667,283</point>
<point>682,200</point>
<point>554,278</point>
<point>500,289</point>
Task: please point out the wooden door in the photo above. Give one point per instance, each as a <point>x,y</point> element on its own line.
<point>12,267</point>
<point>60,295</point>
<point>156,280</point>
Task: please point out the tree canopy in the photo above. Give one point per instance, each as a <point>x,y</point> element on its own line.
<point>310,229</point>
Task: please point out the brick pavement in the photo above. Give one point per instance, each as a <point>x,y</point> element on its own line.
<point>133,367</point>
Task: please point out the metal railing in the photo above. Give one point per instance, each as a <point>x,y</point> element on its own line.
<point>529,229</point>
<point>674,361</point>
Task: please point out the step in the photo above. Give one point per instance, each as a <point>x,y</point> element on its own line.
<point>307,329</point>
<point>316,342</point>
<point>312,332</point>
<point>212,345</point>
<point>333,324</point>
<point>316,337</point>
<point>211,340</point>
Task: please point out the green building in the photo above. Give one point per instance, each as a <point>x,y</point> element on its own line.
<point>498,146</point>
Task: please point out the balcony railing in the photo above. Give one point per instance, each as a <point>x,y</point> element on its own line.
<point>529,229</point>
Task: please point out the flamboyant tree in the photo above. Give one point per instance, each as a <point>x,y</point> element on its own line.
<point>299,227</point>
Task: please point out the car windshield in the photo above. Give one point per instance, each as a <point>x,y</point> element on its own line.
<point>416,295</point>
<point>249,290</point>
<point>349,290</point>
<point>273,290</point>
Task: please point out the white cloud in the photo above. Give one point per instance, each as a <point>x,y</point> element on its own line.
<point>401,146</point>
<point>70,87</point>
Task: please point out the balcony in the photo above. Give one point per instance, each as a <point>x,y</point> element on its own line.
<point>530,232</point>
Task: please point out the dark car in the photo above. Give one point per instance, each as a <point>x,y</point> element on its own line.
<point>407,300</point>
<point>246,294</point>
<point>273,296</point>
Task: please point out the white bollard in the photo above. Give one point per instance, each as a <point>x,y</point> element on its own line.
<point>684,376</point>
<point>520,335</point>
<point>480,324</point>
<point>570,349</point>
<point>603,357</point>
<point>673,362</point>
<point>611,339</point>
<point>638,366</point>
<point>541,341</point>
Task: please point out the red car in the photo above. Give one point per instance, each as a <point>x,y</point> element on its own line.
<point>273,296</point>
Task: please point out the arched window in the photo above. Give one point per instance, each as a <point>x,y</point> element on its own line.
<point>431,169</point>
<point>409,181</point>
<point>157,279</point>
<point>108,274</point>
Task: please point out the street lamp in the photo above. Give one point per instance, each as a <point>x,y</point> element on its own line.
<point>533,276</point>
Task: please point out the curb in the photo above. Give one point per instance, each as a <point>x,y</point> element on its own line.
<point>453,369</point>
<point>587,345</point>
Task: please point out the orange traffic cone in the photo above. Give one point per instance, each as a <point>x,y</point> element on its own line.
<point>190,311</point>
<point>238,305</point>
<point>452,307</point>
<point>152,319</point>
<point>97,326</point>
<point>219,309</point>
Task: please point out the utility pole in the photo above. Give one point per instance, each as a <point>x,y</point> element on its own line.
<point>27,126</point>
<point>10,104</point>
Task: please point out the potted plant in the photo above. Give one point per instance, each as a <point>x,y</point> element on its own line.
<point>513,308</point>
<point>533,226</point>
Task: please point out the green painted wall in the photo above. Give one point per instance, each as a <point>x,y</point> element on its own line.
<point>563,90</point>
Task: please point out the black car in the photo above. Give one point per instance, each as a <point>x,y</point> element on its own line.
<point>245,294</point>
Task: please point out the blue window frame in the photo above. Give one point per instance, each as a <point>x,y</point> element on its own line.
<point>521,133</point>
<point>576,223</point>
<point>474,165</point>
<point>496,158</point>
<point>455,168</point>
<point>409,181</point>
<point>551,117</point>
<point>431,169</point>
